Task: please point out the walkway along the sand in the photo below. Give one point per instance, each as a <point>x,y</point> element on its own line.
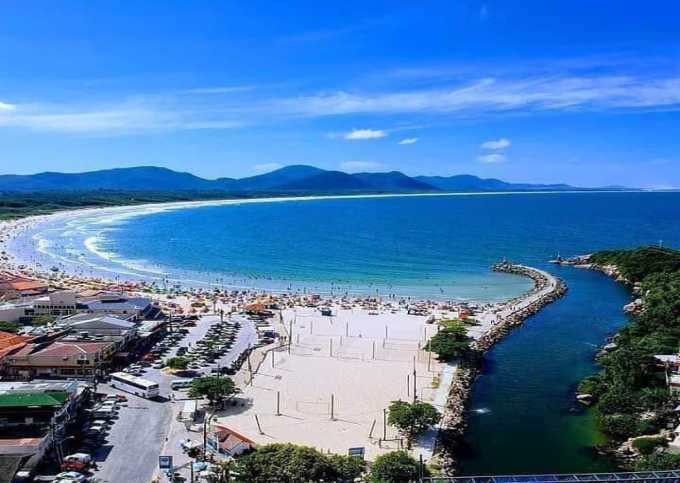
<point>493,326</point>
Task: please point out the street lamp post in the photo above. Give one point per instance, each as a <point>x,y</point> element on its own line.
<point>206,422</point>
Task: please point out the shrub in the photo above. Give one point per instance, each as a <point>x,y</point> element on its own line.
<point>658,461</point>
<point>394,467</point>
<point>9,327</point>
<point>647,444</point>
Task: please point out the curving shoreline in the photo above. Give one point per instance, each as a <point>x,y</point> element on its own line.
<point>547,289</point>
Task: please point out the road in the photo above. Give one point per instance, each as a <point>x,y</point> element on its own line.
<point>146,429</point>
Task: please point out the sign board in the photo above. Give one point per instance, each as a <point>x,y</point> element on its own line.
<point>165,462</point>
<point>357,452</point>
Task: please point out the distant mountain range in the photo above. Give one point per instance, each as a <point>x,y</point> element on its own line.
<point>296,179</point>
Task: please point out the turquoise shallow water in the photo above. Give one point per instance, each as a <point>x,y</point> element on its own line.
<point>438,247</point>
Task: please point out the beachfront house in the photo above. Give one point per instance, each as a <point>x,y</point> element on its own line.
<point>227,443</point>
<point>12,286</point>
<point>671,367</point>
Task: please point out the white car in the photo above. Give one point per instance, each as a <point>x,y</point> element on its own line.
<point>69,476</point>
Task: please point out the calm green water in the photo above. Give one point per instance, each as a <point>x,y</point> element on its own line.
<point>523,417</point>
<point>420,246</point>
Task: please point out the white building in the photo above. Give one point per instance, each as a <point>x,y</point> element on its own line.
<point>57,304</point>
<point>120,305</point>
<point>14,312</point>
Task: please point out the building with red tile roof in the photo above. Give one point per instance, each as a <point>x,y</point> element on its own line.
<point>10,342</point>
<point>58,359</point>
<point>12,286</point>
<point>227,442</point>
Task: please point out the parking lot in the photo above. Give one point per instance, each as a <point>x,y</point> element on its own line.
<point>143,429</point>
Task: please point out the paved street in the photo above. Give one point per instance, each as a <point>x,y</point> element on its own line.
<point>146,429</point>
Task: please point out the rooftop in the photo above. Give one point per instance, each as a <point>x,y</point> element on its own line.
<point>81,320</point>
<point>32,399</point>
<point>62,349</point>
<point>38,385</point>
<point>117,302</point>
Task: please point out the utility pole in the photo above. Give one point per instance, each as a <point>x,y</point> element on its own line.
<point>206,422</point>
<point>415,391</point>
<point>250,367</point>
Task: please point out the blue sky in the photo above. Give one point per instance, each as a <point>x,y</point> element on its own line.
<point>567,91</point>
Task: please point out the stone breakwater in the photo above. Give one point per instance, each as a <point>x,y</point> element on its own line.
<point>547,289</point>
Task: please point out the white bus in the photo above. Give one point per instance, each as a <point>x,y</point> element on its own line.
<point>135,385</point>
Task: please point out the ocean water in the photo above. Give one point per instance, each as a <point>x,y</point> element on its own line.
<point>523,417</point>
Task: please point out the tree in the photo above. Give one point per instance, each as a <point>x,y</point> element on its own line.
<point>347,468</point>
<point>450,342</point>
<point>215,389</point>
<point>395,467</point>
<point>177,363</point>
<point>293,463</point>
<point>9,327</point>
<point>412,419</point>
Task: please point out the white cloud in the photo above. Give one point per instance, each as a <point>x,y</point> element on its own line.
<point>267,167</point>
<point>491,95</point>
<point>361,134</point>
<point>121,119</point>
<point>408,141</point>
<point>476,98</point>
<point>493,158</point>
<point>501,143</point>
<point>357,166</point>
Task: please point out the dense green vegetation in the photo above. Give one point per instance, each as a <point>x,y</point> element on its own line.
<point>412,419</point>
<point>289,462</point>
<point>8,326</point>
<point>658,461</point>
<point>635,265</point>
<point>395,467</point>
<point>648,444</point>
<point>178,363</point>
<point>451,341</point>
<point>630,392</point>
<point>19,205</point>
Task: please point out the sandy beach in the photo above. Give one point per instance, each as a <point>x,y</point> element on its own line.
<point>330,386</point>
